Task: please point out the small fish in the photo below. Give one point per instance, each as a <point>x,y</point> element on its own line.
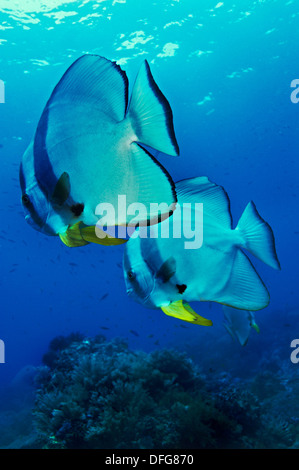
<point>239,323</point>
<point>160,272</point>
<point>134,332</point>
<point>87,150</point>
<point>104,296</point>
<point>104,327</point>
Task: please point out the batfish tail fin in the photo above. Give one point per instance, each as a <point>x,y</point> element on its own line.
<point>151,114</point>
<point>258,235</point>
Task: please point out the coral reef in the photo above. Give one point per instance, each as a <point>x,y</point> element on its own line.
<point>98,394</point>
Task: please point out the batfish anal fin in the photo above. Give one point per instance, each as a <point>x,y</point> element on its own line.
<point>259,237</point>
<point>151,185</point>
<point>151,114</point>
<point>244,288</point>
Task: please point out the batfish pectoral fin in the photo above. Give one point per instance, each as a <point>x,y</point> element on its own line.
<point>184,312</point>
<point>253,323</point>
<point>167,270</point>
<point>94,234</point>
<point>62,190</point>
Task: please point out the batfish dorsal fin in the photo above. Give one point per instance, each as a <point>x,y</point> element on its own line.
<point>92,84</point>
<point>93,80</point>
<point>202,190</point>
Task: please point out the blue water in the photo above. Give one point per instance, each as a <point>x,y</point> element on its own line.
<point>226,69</point>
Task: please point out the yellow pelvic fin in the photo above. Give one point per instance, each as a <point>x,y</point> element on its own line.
<point>72,237</point>
<point>183,311</point>
<point>80,235</point>
<point>255,327</point>
<point>90,235</point>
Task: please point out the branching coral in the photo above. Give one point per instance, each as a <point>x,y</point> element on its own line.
<point>100,394</point>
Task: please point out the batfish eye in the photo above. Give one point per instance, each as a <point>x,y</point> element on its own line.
<point>25,199</point>
<point>131,275</point>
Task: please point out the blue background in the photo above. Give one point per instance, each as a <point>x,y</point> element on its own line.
<point>226,70</point>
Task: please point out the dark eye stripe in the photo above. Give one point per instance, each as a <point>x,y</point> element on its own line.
<point>25,199</point>
<point>22,179</point>
<point>126,263</point>
<point>29,206</point>
<point>131,275</point>
<point>34,215</point>
<point>42,166</point>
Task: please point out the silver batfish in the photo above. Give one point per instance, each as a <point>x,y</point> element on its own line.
<point>87,150</point>
<point>162,272</point>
